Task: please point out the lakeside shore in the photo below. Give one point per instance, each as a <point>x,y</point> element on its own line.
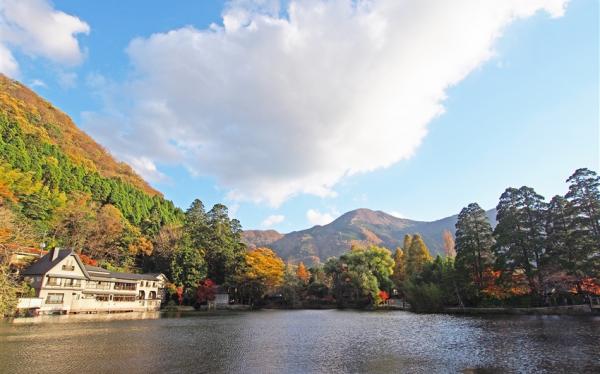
<point>572,310</point>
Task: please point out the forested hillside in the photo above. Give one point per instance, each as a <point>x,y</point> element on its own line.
<point>60,187</point>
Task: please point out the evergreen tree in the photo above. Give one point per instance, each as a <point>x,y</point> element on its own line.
<point>224,252</point>
<point>196,225</point>
<point>474,243</point>
<point>418,255</point>
<point>188,267</point>
<point>584,212</point>
<point>561,251</point>
<point>521,235</point>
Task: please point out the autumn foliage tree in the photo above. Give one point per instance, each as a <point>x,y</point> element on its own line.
<point>418,255</point>
<point>302,273</point>
<point>264,265</point>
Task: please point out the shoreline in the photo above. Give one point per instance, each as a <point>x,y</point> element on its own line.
<point>568,310</point>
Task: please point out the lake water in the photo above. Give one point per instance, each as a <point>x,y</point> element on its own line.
<point>304,341</point>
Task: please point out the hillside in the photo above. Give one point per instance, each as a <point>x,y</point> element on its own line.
<point>260,238</point>
<point>38,118</point>
<point>59,186</point>
<point>361,226</point>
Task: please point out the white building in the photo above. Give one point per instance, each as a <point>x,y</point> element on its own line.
<point>63,284</point>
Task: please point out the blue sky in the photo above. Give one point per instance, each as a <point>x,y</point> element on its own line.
<point>526,115</point>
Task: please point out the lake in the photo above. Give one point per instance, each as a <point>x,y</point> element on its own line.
<point>303,341</point>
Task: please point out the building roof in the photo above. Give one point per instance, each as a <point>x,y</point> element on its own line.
<point>44,264</point>
<point>97,272</point>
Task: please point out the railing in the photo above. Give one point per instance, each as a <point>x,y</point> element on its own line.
<point>95,286</point>
<point>29,302</point>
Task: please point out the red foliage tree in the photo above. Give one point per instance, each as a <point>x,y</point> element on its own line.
<point>383,296</point>
<point>87,260</point>
<point>180,294</point>
<point>206,291</point>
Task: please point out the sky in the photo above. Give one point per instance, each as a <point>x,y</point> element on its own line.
<point>294,112</point>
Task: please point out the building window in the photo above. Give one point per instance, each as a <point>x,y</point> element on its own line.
<point>122,298</point>
<point>101,297</point>
<point>53,281</point>
<point>68,265</point>
<point>125,286</point>
<point>69,282</point>
<point>55,298</point>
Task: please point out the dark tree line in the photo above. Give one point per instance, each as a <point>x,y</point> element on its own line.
<point>538,249</point>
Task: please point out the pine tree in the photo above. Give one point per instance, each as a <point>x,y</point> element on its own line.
<point>474,243</point>
<point>584,212</point>
<point>521,235</point>
<point>561,251</point>
<point>418,255</point>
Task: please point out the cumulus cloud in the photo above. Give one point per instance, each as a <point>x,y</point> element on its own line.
<point>37,29</point>
<point>276,102</point>
<point>315,217</point>
<point>272,220</point>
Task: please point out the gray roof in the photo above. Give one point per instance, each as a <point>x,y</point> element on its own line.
<point>44,264</point>
<point>97,272</point>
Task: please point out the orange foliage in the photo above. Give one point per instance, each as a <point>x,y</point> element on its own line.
<point>87,260</point>
<point>302,273</point>
<point>517,286</point>
<point>590,286</point>
<point>266,266</point>
<point>383,295</point>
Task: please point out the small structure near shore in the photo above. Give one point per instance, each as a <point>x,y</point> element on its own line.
<point>63,284</point>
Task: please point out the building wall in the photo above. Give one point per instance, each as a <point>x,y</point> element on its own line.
<point>80,299</point>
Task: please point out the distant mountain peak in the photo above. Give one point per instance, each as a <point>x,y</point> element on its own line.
<point>360,226</point>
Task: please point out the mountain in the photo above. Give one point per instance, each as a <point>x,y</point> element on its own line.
<point>58,185</point>
<point>361,226</point>
<point>40,119</point>
<point>260,238</point>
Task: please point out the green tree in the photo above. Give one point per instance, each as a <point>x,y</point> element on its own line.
<point>584,211</point>
<point>562,254</point>
<point>188,266</point>
<point>520,234</point>
<point>359,275</point>
<point>474,241</point>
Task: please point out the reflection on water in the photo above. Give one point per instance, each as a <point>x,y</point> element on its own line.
<point>299,342</point>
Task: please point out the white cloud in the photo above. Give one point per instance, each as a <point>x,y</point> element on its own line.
<point>272,220</point>
<point>38,83</point>
<point>36,29</point>
<point>273,106</point>
<point>317,218</point>
<point>397,214</point>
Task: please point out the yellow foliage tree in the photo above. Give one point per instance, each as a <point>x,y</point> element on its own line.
<point>418,255</point>
<point>265,266</point>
